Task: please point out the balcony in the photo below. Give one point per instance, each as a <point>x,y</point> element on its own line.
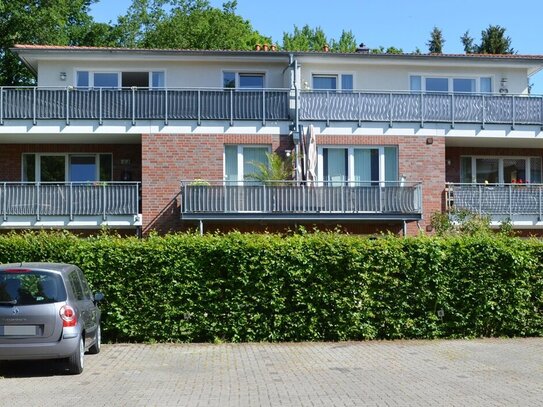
<point>45,103</point>
<point>421,107</point>
<point>69,205</point>
<point>522,204</point>
<point>288,200</point>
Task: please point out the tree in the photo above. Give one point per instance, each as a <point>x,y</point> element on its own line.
<point>188,24</point>
<point>435,45</point>
<point>305,39</point>
<point>59,22</point>
<point>467,41</point>
<point>347,42</point>
<point>389,50</point>
<point>493,41</point>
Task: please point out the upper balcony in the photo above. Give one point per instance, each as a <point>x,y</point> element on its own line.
<point>421,108</point>
<point>132,104</point>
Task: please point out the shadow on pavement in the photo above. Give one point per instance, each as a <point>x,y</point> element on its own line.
<point>31,368</point>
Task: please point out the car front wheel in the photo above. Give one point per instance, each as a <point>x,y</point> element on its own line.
<point>76,360</point>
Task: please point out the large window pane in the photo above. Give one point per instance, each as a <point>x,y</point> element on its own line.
<point>415,83</point>
<point>82,80</point>
<point>325,82</point>
<point>157,80</point>
<point>137,79</point>
<point>487,170</point>
<point>346,82</point>
<point>106,80</point>
<point>29,167</point>
<point>366,165</point>
<point>335,165</point>
<point>535,170</point>
<point>486,85</point>
<point>251,157</point>
<point>464,85</point>
<point>466,175</point>
<point>106,167</point>
<point>391,164</point>
<point>82,168</point>
<point>251,80</point>
<point>514,170</point>
<point>231,163</point>
<point>229,80</point>
<point>437,85</point>
<point>52,168</point>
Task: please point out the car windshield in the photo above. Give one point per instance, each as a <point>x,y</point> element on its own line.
<point>29,287</point>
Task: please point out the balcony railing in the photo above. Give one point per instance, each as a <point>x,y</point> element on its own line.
<point>43,103</point>
<point>497,200</point>
<point>291,199</point>
<point>71,199</point>
<point>421,107</point>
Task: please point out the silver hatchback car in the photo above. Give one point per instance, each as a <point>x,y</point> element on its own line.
<point>47,311</point>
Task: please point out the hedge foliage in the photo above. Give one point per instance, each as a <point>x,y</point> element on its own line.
<point>322,286</point>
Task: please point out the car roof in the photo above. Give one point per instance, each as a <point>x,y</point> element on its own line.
<point>44,266</point>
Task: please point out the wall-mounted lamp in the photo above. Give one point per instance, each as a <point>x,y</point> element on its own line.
<point>503,86</point>
<point>430,140</point>
<point>449,162</point>
<point>62,76</point>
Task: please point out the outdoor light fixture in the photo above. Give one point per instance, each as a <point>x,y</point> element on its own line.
<point>503,86</point>
<point>63,76</point>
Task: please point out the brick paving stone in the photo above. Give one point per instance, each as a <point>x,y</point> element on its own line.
<point>487,372</point>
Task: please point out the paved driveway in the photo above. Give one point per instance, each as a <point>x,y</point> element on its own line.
<point>501,372</point>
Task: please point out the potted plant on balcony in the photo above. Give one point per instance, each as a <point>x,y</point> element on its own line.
<point>197,197</point>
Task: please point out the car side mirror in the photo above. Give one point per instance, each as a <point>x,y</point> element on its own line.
<point>98,297</point>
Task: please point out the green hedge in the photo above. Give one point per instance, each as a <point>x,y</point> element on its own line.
<point>322,286</point>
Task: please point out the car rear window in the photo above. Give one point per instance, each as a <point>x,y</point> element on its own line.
<point>29,287</point>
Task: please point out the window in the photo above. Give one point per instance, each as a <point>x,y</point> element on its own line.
<point>243,80</point>
<point>239,161</point>
<point>446,84</point>
<point>113,80</point>
<point>66,167</point>
<point>499,170</point>
<point>75,284</point>
<point>358,164</point>
<point>331,82</point>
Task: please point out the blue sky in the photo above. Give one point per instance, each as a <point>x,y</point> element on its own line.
<point>404,24</point>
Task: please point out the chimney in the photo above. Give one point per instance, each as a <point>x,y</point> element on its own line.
<point>266,47</point>
<point>362,49</point>
<point>258,47</point>
<point>274,47</point>
<point>326,48</point>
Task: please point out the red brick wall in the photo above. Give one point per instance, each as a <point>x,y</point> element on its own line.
<point>168,159</point>
<point>453,154</point>
<point>11,157</point>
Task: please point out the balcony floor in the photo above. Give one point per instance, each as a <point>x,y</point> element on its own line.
<point>64,222</point>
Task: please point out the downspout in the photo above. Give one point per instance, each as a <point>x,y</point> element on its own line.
<point>294,64</point>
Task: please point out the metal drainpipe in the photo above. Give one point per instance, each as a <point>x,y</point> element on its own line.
<point>294,63</point>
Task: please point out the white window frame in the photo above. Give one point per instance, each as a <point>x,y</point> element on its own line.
<point>37,158</point>
<point>501,158</point>
<point>239,156</point>
<point>450,80</point>
<point>337,75</point>
<point>237,72</point>
<point>350,162</point>
<point>119,76</point>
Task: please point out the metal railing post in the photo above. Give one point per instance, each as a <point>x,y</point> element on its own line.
<point>510,202</point>
<point>540,209</point>
<point>359,109</point>
<point>390,108</point>
<point>513,110</point>
<point>136,207</point>
<point>104,216</point>
<point>264,193</point>
<point>2,106</point>
<point>327,109</point>
<point>100,118</point>
<point>453,110</point>
<point>67,105</point>
<point>484,112</point>
<point>34,105</point>
<point>199,106</point>
<point>165,106</point>
<point>4,202</point>
<point>480,198</point>
<point>421,109</point>
<point>263,107</point>
<point>71,201</point>
<point>380,198</point>
<point>133,105</point>
<point>37,201</point>
<point>231,107</point>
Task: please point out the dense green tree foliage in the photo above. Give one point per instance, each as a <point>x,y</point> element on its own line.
<point>493,41</point>
<point>435,44</point>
